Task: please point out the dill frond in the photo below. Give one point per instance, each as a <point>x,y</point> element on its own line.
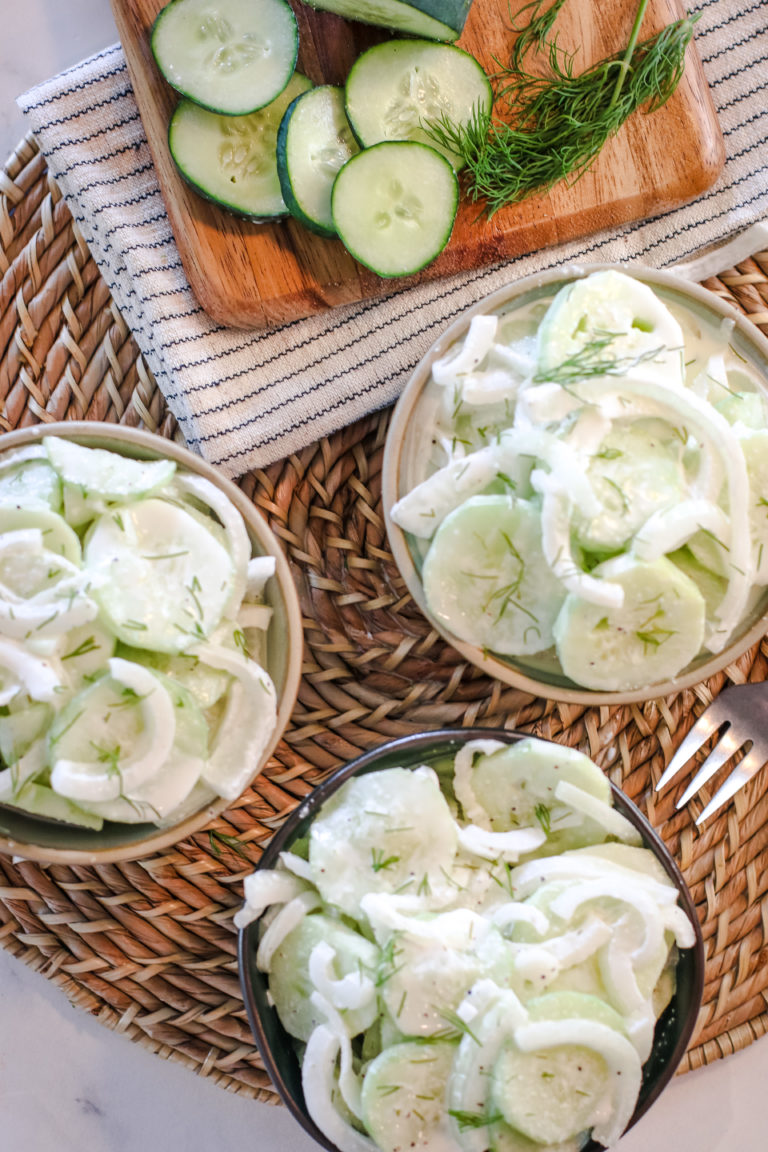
<point>548,128</point>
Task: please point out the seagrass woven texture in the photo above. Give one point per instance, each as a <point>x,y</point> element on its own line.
<point>148,947</point>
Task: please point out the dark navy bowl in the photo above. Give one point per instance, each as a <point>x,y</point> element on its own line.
<point>276,1047</point>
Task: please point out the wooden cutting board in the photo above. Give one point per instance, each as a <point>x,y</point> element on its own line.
<point>256,275</point>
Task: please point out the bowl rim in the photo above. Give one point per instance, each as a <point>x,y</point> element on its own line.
<point>402,416</point>
<point>100,434</point>
<point>370,761</point>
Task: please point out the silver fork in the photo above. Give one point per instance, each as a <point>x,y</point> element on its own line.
<point>740,715</point>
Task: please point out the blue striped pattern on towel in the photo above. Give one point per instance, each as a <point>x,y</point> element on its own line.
<point>244,399</point>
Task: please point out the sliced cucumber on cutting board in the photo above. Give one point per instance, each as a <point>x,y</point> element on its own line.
<point>396,88</point>
<point>231,56</point>
<point>313,143</point>
<point>232,160</point>
<point>394,206</point>
<point>435,19</point>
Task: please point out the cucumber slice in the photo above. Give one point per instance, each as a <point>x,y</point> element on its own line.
<point>313,142</point>
<point>107,474</point>
<point>435,19</point>
<point>369,838</point>
<point>128,755</point>
<point>57,535</point>
<point>553,1094</point>
<point>94,478</point>
<point>394,206</point>
<point>231,56</point>
<point>403,1093</point>
<point>40,800</point>
<point>289,983</point>
<point>613,321</point>
<point>232,160</point>
<point>516,787</point>
<point>26,722</point>
<point>747,408</point>
<point>485,577</point>
<point>655,633</point>
<point>637,470</point>
<point>422,982</point>
<point>397,88</point>
<point>167,575</point>
<point>31,482</point>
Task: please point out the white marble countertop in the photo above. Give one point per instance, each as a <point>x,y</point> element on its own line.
<point>66,1081</point>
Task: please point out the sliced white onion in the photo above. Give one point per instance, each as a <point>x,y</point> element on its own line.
<point>507,846</point>
<point>618,974</point>
<point>259,570</point>
<point>248,722</point>
<point>349,1085</point>
<point>298,865</point>
<point>580,866</point>
<point>493,386</point>
<point>460,928</point>
<point>318,1081</point>
<point>676,920</point>
<point>288,918</point>
<point>234,527</point>
<point>421,510</point>
<point>36,675</point>
<point>603,814</point>
<point>670,528</point>
<point>515,913</point>
<point>256,616</point>
<point>89,780</point>
<point>572,947</point>
<point>264,887</point>
<point>352,991</point>
<point>462,778</point>
<point>556,508</point>
<point>468,355</point>
<point>712,428</point>
<point>617,888</point>
<point>501,1012</point>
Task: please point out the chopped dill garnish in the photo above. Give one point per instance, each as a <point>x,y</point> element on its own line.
<point>380,862</point>
<point>544,817</point>
<point>549,127</point>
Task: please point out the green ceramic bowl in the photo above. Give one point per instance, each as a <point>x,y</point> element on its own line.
<point>53,842</point>
<point>276,1047</point>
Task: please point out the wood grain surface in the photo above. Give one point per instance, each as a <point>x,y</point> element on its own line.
<point>256,275</point>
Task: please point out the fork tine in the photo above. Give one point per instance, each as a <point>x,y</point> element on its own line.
<point>704,727</point>
<point>726,746</point>
<point>741,775</point>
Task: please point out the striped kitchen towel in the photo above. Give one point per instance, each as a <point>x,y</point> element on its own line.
<point>245,399</point>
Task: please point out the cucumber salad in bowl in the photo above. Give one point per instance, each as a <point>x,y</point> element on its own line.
<point>133,632</point>
<point>469,950</point>
<point>585,486</point>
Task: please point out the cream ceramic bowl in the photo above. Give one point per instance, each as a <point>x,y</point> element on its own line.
<point>52,842</point>
<point>409,442</point>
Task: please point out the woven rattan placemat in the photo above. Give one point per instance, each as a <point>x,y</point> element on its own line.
<point>149,947</point>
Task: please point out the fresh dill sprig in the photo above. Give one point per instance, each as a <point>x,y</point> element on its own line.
<point>548,128</point>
